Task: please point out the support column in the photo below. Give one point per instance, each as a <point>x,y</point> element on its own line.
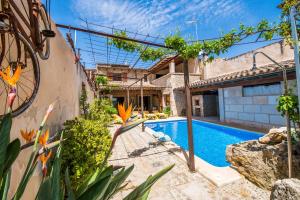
<point>142,104</point>
<point>172,67</point>
<point>163,101</point>
<point>221,104</point>
<point>189,117</point>
<point>128,97</point>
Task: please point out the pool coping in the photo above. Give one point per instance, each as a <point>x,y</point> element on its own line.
<point>184,118</point>
<point>219,176</point>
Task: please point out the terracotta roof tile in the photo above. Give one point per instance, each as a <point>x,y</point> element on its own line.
<point>236,76</point>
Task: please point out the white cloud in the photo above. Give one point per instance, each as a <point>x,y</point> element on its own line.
<point>154,16</point>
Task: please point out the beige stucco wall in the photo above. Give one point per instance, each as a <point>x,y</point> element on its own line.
<point>278,51</point>
<point>61,82</point>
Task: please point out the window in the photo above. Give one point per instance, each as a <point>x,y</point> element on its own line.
<point>117,77</point>
<point>262,90</point>
<point>197,102</point>
<point>145,78</point>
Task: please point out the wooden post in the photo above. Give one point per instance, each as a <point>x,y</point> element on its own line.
<point>189,116</point>
<point>142,104</point>
<point>128,98</point>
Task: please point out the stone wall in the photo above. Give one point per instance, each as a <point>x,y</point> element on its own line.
<point>253,110</point>
<point>263,164</point>
<point>132,74</point>
<point>61,82</point>
<point>177,98</point>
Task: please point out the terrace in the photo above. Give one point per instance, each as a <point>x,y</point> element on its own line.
<point>99,111</point>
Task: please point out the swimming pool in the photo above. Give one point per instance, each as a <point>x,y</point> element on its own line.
<point>210,140</point>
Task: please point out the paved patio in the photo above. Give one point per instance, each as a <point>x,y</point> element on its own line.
<point>179,184</point>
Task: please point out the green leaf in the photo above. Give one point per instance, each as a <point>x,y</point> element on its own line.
<point>117,181</point>
<point>141,191</point>
<point>96,191</point>
<point>5,185</point>
<point>146,194</point>
<point>22,186</point>
<point>89,180</point>
<point>44,192</point>
<point>95,179</point>
<point>55,176</point>
<point>13,150</point>
<point>70,192</point>
<point>5,128</point>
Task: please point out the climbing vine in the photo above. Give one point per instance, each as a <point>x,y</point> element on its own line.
<point>214,47</point>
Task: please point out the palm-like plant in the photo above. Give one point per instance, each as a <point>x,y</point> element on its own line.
<point>103,184</point>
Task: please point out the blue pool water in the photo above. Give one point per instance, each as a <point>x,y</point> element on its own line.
<point>210,140</point>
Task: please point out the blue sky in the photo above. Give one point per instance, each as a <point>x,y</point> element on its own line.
<point>157,17</point>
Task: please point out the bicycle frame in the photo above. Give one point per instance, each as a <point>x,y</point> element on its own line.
<point>33,11</point>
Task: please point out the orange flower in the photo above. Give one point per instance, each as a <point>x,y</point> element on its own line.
<point>124,114</point>
<point>10,78</point>
<point>28,135</point>
<point>44,158</point>
<point>44,138</point>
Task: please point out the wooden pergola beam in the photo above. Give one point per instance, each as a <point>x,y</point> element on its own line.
<point>110,35</point>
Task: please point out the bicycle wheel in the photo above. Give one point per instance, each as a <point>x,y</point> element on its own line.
<point>28,84</point>
<point>43,40</point>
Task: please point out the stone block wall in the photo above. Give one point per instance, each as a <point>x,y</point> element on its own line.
<point>253,110</point>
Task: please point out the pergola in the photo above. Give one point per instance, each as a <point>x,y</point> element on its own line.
<point>104,50</point>
<point>135,61</point>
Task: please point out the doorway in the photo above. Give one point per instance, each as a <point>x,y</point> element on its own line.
<point>118,100</point>
<point>146,102</point>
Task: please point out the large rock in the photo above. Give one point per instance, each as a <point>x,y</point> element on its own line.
<point>275,136</point>
<point>286,189</point>
<point>263,164</point>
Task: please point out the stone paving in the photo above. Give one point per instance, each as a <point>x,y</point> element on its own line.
<point>142,150</point>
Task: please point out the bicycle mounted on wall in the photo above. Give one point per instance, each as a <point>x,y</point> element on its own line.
<point>25,30</point>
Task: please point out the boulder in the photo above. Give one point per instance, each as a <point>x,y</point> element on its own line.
<point>263,164</point>
<point>286,189</point>
<point>275,136</point>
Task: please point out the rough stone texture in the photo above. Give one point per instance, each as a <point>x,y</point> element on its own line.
<point>275,136</point>
<point>261,163</point>
<point>286,189</point>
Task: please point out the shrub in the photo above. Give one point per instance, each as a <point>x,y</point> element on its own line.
<point>151,116</point>
<point>101,80</point>
<point>86,143</point>
<point>161,115</point>
<point>83,102</point>
<point>87,140</point>
<point>102,109</point>
<point>167,110</point>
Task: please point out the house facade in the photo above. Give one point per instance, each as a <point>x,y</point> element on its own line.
<point>234,92</point>
<point>159,82</point>
<point>226,89</point>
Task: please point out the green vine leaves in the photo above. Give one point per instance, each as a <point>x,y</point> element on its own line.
<point>176,44</point>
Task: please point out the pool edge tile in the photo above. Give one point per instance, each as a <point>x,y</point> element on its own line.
<point>219,176</point>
